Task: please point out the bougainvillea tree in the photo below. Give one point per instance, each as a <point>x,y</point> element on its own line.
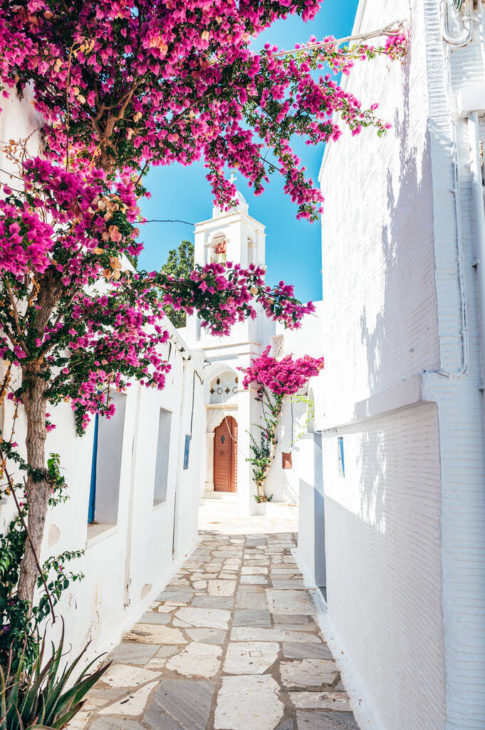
<point>273,380</point>
<point>160,81</point>
<point>122,85</point>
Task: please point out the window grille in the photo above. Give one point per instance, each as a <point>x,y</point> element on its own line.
<point>223,388</point>
<point>341,456</point>
<point>277,346</point>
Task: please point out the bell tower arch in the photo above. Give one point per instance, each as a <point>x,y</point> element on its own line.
<point>230,235</point>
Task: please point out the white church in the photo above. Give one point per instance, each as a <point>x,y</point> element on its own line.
<point>232,412</point>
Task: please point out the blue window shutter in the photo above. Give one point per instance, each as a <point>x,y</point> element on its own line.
<point>92,489</point>
<point>341,456</point>
<point>187,451</point>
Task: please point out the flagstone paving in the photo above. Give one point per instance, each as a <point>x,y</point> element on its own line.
<point>230,644</point>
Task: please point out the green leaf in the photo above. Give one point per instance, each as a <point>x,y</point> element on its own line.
<point>35,697</point>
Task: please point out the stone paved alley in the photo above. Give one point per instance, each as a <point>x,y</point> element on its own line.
<point>230,644</point>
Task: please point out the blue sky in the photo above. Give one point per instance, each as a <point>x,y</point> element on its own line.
<point>293,248</point>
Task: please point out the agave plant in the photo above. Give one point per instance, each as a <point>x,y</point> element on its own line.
<point>44,695</point>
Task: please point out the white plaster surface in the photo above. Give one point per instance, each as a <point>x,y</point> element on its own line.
<point>405,525</point>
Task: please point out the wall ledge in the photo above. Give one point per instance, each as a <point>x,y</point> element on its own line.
<point>405,394</point>
<point>98,532</point>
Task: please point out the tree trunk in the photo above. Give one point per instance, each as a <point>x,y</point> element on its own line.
<point>37,491</point>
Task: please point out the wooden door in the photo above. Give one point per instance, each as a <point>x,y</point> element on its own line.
<point>225,456</point>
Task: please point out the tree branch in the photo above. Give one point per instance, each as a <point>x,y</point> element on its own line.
<point>167,220</point>
<point>16,315</point>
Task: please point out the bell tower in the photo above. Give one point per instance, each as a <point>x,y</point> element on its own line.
<point>231,235</point>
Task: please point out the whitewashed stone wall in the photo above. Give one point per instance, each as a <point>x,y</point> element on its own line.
<point>405,525</point>
<point>383,563</point>
<point>126,564</point>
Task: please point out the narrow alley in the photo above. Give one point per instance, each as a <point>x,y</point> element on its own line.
<point>230,644</point>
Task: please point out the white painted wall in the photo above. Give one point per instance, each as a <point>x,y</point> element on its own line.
<point>128,561</point>
<point>284,484</point>
<point>460,400</point>
<point>383,563</point>
<point>405,527</point>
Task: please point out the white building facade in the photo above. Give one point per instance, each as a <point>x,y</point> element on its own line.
<point>400,409</point>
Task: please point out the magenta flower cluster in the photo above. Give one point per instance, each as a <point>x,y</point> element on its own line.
<point>172,81</point>
<point>68,208</point>
<point>281,377</point>
<point>273,380</point>
<point>224,294</point>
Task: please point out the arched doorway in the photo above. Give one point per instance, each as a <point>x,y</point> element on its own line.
<point>225,456</point>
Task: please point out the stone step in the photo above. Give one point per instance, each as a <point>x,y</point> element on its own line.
<point>229,496</point>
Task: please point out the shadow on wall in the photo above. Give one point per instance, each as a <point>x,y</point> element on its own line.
<point>394,635</point>
<point>383,507</point>
<point>401,338</point>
